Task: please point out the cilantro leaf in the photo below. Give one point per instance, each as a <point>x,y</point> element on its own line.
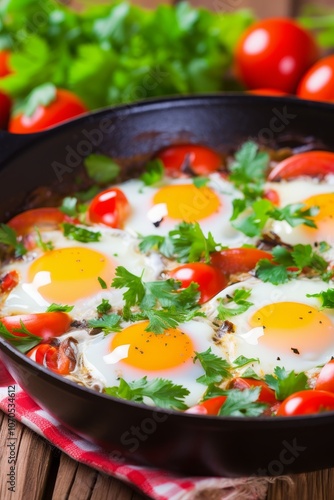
<point>285,383</point>
<point>43,245</point>
<point>135,288</point>
<point>163,393</point>
<point>103,284</point>
<point>243,403</point>
<point>295,214</point>
<point>77,233</point>
<point>216,369</point>
<point>270,272</point>
<point>326,297</point>
<point>242,361</point>
<point>239,297</point>
<point>8,237</point>
<point>200,181</point>
<point>22,343</point>
<point>154,172</point>
<point>254,223</point>
<point>59,308</point>
<point>108,323</point>
<point>103,307</point>
<point>101,169</point>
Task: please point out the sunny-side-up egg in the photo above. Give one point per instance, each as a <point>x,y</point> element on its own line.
<point>158,209</point>
<point>134,353</point>
<point>282,328</point>
<point>68,274</point>
<point>311,193</point>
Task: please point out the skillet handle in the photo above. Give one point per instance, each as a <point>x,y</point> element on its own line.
<point>12,143</point>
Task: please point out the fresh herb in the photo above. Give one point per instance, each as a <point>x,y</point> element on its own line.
<point>108,323</point>
<point>285,383</point>
<point>239,298</point>
<point>200,181</point>
<point>78,233</point>
<point>103,284</point>
<point>59,308</point>
<point>103,307</point>
<point>22,343</point>
<point>162,302</point>
<point>323,246</point>
<point>216,369</point>
<point>326,298</point>
<point>163,393</point>
<point>101,169</point>
<point>154,172</point>
<point>69,206</point>
<point>8,237</point>
<point>243,403</point>
<point>185,243</point>
<point>241,361</point>
<point>250,373</point>
<point>43,245</point>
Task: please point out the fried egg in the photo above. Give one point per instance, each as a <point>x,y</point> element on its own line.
<point>134,353</point>
<point>284,327</point>
<point>311,193</point>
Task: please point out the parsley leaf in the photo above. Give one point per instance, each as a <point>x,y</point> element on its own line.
<point>243,403</point>
<point>326,297</point>
<point>286,383</point>
<point>8,237</point>
<point>103,307</point>
<point>242,361</point>
<point>101,169</point>
<point>59,308</point>
<point>163,393</point>
<point>77,233</point>
<point>108,323</point>
<point>269,272</point>
<point>200,181</point>
<point>154,172</point>
<point>103,284</point>
<point>239,297</point>
<point>135,289</point>
<point>44,245</point>
<point>216,369</point>
<point>22,343</point>
<point>295,214</point>
<point>69,206</point>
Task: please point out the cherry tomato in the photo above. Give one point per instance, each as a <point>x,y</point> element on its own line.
<point>307,402</point>
<point>267,395</point>
<point>238,260</point>
<point>209,279</point>
<point>5,68</point>
<point>66,105</point>
<point>110,207</point>
<point>45,219</point>
<point>53,357</point>
<point>9,281</point>
<point>274,92</point>
<point>45,325</point>
<point>274,53</point>
<point>272,195</point>
<point>208,407</point>
<point>325,380</point>
<point>318,81</point>
<point>201,160</point>
<point>311,163</point>
<point>5,106</point>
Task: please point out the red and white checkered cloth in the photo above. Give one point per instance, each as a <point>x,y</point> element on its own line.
<point>155,483</point>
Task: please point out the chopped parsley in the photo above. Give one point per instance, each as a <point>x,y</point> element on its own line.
<point>285,383</point>
<point>8,237</point>
<point>103,284</point>
<point>43,245</point>
<point>101,168</point>
<point>239,298</point>
<point>243,403</point>
<point>200,181</point>
<point>108,323</point>
<point>78,233</point>
<point>216,369</point>
<point>326,298</point>
<point>154,172</point>
<point>59,308</point>
<point>103,307</point>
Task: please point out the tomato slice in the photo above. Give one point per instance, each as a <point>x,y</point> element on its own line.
<point>208,407</point>
<point>306,403</point>
<point>110,207</point>
<point>45,325</point>
<point>267,395</point>
<point>9,281</point>
<point>238,260</point>
<point>53,357</point>
<point>46,219</point>
<point>200,159</point>
<point>325,380</point>
<point>210,280</point>
<point>310,163</point>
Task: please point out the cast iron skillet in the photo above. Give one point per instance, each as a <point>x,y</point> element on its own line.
<point>186,443</point>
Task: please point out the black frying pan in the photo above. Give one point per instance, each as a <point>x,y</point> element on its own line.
<point>186,443</point>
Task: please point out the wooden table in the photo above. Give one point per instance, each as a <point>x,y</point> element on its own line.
<point>44,473</point>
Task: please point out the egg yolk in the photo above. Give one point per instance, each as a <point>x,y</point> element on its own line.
<point>188,202</point>
<point>324,219</point>
<point>66,275</point>
<point>151,351</point>
<point>294,327</point>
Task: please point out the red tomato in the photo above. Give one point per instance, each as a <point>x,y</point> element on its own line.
<point>312,163</point>
<point>5,106</point>
<point>267,395</point>
<point>45,219</point>
<point>9,281</point>
<point>110,207</point>
<point>274,53</point>
<point>45,325</point>
<point>325,380</point>
<point>208,407</point>
<point>4,63</point>
<point>272,195</point>
<point>318,81</point>
<point>238,260</point>
<point>201,160</point>
<point>209,279</point>
<point>307,402</point>
<point>267,92</point>
<point>66,105</point>
<point>52,357</point>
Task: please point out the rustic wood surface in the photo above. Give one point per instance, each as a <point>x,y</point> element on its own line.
<point>44,473</point>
